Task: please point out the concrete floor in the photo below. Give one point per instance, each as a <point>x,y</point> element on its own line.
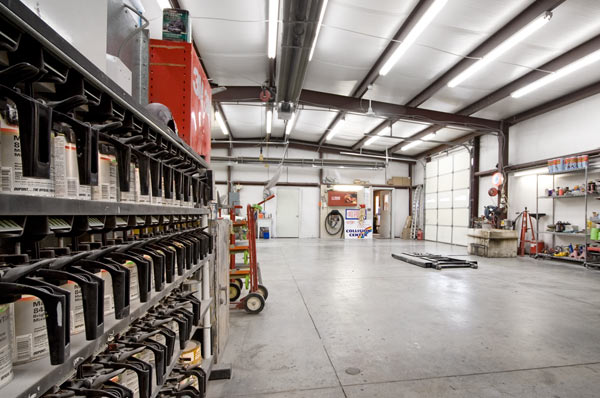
<point>513,327</point>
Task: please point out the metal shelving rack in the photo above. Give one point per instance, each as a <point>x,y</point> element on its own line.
<point>584,234</point>
<point>35,378</point>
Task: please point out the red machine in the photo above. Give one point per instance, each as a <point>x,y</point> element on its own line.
<point>178,81</point>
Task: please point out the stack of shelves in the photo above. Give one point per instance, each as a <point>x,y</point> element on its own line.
<point>580,198</point>
<point>167,236</point>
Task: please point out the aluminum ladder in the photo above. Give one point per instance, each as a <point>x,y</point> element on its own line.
<point>416,211</point>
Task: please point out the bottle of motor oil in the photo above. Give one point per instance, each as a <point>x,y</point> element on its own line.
<point>11,171</point>
<point>30,338</point>
<point>6,340</point>
<point>106,190</point>
<point>134,287</point>
<point>76,297</point>
<point>191,354</point>
<point>140,198</point>
<point>131,196</point>
<point>64,162</point>
<point>109,301</point>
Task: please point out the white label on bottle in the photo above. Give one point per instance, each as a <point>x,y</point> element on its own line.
<point>6,340</point>
<point>134,288</point>
<point>31,338</point>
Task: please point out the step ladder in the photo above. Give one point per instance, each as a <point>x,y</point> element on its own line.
<point>416,211</point>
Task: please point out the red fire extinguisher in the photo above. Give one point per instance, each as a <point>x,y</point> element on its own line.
<point>420,234</point>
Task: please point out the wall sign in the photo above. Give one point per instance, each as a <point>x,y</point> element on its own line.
<point>352,214</point>
<point>344,199</point>
<point>354,229</point>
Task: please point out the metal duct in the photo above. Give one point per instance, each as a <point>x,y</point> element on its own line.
<point>320,163</point>
<point>299,26</point>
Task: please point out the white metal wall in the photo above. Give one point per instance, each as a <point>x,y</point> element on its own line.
<point>447,198</point>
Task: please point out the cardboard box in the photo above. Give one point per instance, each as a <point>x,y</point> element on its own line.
<point>399,181</point>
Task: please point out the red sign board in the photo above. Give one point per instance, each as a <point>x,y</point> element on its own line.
<point>339,198</point>
<point>178,81</point>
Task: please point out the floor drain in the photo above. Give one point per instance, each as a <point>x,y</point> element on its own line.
<point>353,371</point>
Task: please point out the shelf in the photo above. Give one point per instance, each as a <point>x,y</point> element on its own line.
<point>573,260</point>
<point>570,196</point>
<point>577,171</point>
<point>578,234</point>
<point>25,205</point>
<point>35,378</point>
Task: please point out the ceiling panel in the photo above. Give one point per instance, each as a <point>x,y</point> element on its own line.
<point>573,23</point>
<point>231,36</point>
<point>418,149</point>
<point>311,124</point>
<point>511,106</point>
<point>457,30</point>
<point>353,128</point>
<point>351,39</point>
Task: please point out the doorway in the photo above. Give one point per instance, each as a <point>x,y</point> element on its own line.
<point>382,213</point>
<point>288,212</point>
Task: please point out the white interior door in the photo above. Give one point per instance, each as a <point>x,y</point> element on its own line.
<point>385,229</point>
<point>288,212</point>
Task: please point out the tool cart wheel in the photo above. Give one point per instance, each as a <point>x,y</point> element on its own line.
<point>254,303</point>
<point>239,282</point>
<point>262,290</point>
<point>234,292</point>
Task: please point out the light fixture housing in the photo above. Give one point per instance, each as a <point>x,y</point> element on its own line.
<point>411,145</point>
<point>413,35</point>
<point>428,137</point>
<point>562,72</point>
<point>332,131</point>
<point>314,44</point>
<point>290,124</point>
<point>502,48</point>
<point>385,131</point>
<point>269,120</point>
<point>222,123</point>
<point>272,28</point>
<point>530,172</point>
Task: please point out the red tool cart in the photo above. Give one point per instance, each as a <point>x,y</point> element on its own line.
<point>249,271</point>
<point>178,81</point>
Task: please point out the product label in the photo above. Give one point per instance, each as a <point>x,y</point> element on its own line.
<point>129,379</point>
<point>77,317</point>
<point>6,319</point>
<point>31,339</point>
<point>106,190</point>
<point>134,288</point>
<point>109,302</point>
<point>11,174</point>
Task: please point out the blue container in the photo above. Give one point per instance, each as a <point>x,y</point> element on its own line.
<point>266,235</point>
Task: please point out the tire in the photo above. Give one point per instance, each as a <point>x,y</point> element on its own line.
<point>234,292</point>
<point>262,290</point>
<point>239,282</point>
<point>254,303</point>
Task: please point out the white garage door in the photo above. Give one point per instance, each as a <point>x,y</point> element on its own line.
<point>447,198</point>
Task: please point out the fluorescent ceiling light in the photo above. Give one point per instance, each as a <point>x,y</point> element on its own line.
<point>273,14</point>
<point>222,123</point>
<point>162,4</point>
<point>428,137</point>
<point>348,188</point>
<point>269,120</point>
<point>312,50</point>
<point>562,72</point>
<point>411,145</point>
<point>386,131</point>
<point>412,36</point>
<point>333,131</point>
<point>501,49</point>
<point>290,124</point>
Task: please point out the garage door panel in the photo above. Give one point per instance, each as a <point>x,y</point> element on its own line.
<point>445,200</point>
<point>445,217</point>
<point>431,217</point>
<point>444,234</point>
<point>462,161</point>
<point>445,183</point>
<point>431,201</point>
<point>431,185</point>
<point>461,179</point>
<point>460,198</point>
<point>431,232</point>
<point>445,165</point>
<point>459,236</point>
<point>460,217</point>
<point>431,169</point>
